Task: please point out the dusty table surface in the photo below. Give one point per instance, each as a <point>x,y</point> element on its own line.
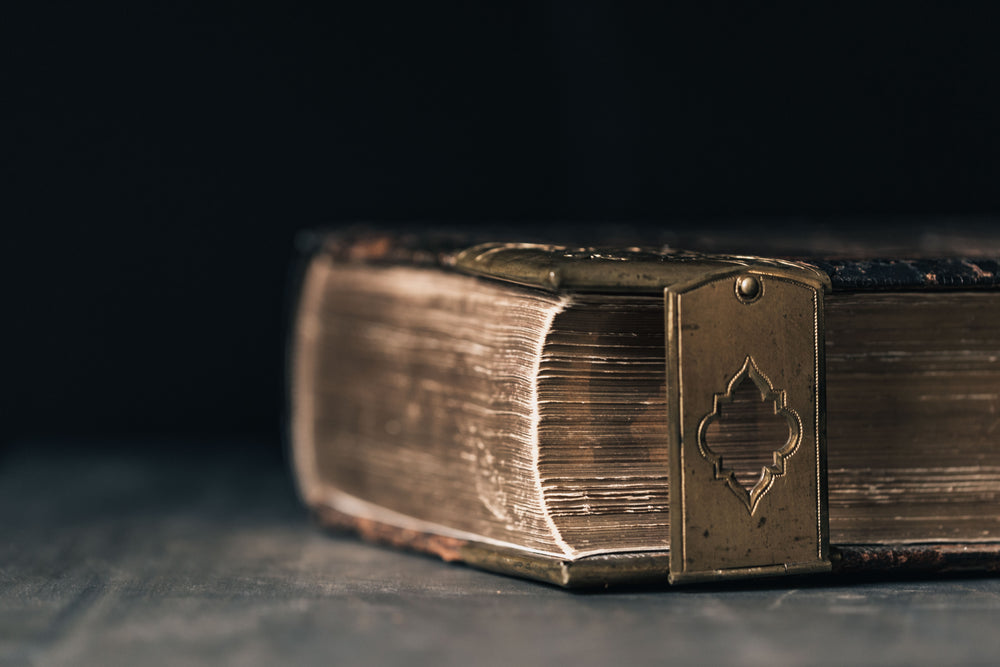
<point>199,553</point>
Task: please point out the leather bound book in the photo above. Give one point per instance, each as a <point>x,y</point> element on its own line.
<point>591,413</point>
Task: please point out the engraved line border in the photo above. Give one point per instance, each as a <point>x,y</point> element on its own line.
<point>780,400</point>
<point>816,426</point>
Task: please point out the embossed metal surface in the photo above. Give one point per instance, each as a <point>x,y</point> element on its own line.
<point>777,401</point>
<point>719,337</point>
<point>637,269</point>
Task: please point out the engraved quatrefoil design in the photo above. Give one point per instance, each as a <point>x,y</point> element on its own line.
<point>751,426</point>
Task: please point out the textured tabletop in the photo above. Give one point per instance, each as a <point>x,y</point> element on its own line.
<point>198,553</point>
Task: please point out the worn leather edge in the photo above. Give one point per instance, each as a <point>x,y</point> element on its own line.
<point>918,273</point>
<point>916,558</point>
<point>650,568</point>
<point>448,549</point>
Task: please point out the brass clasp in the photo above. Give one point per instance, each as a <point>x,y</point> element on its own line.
<point>747,443</point>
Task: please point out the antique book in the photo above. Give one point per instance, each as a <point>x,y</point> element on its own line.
<point>592,415</point>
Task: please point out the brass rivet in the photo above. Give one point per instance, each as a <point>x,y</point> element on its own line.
<point>748,288</point>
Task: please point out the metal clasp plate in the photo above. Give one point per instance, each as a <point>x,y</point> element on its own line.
<point>747,443</point>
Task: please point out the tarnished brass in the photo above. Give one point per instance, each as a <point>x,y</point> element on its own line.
<point>620,270</point>
<point>723,331</point>
<point>748,288</point>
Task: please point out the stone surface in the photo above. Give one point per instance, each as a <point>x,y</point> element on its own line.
<point>198,553</point>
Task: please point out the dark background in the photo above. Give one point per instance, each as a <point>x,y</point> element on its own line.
<point>160,160</point>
